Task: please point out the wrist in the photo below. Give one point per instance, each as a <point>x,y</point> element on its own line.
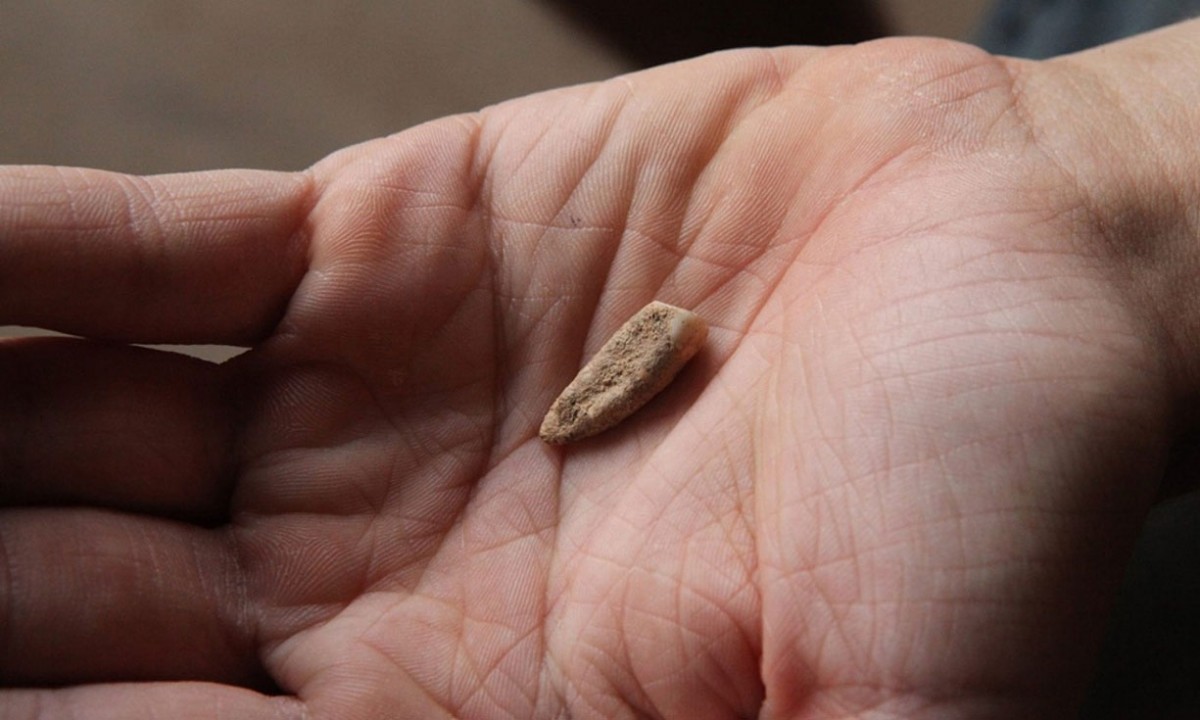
<point>1123,122</point>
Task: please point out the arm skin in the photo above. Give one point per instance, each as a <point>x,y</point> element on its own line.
<point>955,332</point>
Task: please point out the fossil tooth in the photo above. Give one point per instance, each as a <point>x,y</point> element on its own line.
<point>636,363</point>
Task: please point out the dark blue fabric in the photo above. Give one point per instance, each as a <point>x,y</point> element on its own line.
<point>1045,28</point>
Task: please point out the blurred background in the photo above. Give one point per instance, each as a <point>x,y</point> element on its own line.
<point>149,86</point>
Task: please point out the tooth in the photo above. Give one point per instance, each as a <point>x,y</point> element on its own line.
<point>636,363</point>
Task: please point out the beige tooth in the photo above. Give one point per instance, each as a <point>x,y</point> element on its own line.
<point>636,363</point>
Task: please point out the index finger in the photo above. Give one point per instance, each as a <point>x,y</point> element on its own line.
<point>199,257</point>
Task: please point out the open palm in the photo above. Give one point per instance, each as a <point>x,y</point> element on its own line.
<point>896,482</point>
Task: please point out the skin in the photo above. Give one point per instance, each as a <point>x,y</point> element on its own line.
<point>950,349</point>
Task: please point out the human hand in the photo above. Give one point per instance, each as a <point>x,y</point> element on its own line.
<point>940,383</point>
